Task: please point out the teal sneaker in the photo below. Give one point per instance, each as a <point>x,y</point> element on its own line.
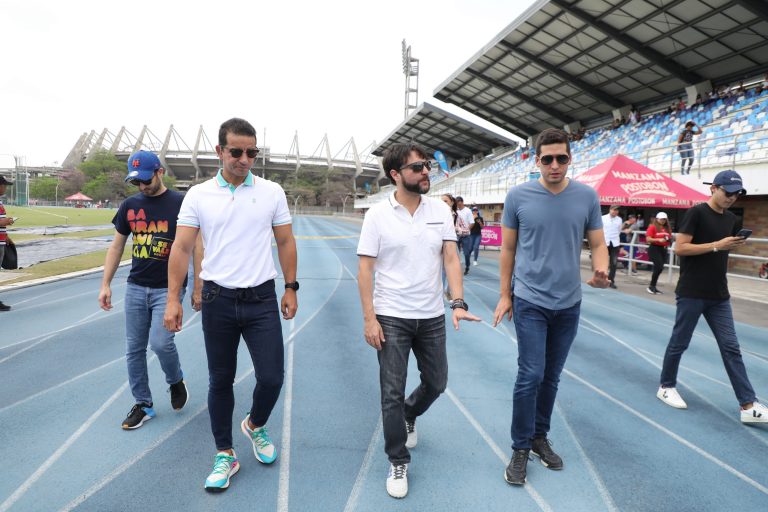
<point>224,468</point>
<point>263,448</point>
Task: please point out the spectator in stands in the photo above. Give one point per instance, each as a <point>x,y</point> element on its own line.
<point>611,228</point>
<point>451,202</point>
<point>699,101</point>
<point>713,95</point>
<point>464,223</point>
<point>765,83</point>
<point>680,106</point>
<point>476,232</point>
<point>706,235</point>
<point>543,226</point>
<point>634,116</point>
<point>5,221</point>
<point>685,145</point>
<point>658,236</point>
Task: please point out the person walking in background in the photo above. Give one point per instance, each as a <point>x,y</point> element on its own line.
<point>685,145</point>
<point>451,202</point>
<point>404,242</point>
<point>237,215</point>
<point>659,237</point>
<point>476,232</point>
<point>150,218</point>
<point>464,224</point>
<point>543,226</point>
<point>706,236</point>
<point>612,224</point>
<point>5,221</point>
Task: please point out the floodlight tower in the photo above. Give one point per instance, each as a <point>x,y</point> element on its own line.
<point>411,72</point>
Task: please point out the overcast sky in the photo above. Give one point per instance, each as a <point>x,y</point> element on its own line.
<point>330,67</point>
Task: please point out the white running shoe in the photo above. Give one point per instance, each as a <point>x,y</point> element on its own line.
<point>758,413</point>
<point>410,427</point>
<point>475,263</point>
<point>671,397</point>
<point>397,480</point>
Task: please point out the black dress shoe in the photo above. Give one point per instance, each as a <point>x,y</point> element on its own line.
<point>4,307</point>
<point>613,285</point>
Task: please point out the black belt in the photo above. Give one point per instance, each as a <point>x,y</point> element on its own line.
<point>249,294</point>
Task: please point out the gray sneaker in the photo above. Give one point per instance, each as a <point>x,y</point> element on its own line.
<point>542,448</point>
<point>516,470</point>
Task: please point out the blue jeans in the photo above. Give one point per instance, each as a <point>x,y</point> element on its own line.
<point>427,340</point>
<point>254,314</point>
<point>475,245</point>
<point>719,316</point>
<point>544,337</point>
<point>144,310</point>
<point>466,248</point>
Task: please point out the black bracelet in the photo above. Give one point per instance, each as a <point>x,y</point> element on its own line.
<point>459,303</point>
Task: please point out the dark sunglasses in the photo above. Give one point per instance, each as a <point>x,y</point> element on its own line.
<point>730,194</point>
<point>418,166</point>
<point>136,183</point>
<point>561,159</point>
<point>237,152</point>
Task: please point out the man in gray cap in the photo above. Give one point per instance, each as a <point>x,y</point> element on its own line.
<point>4,222</point>
<point>708,232</point>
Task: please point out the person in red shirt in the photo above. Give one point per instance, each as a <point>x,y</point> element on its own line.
<point>659,237</point>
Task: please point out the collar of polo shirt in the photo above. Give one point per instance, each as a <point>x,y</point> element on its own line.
<point>248,182</point>
<point>394,204</point>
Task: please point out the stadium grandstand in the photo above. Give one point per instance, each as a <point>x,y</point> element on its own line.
<point>586,66</point>
<point>189,164</point>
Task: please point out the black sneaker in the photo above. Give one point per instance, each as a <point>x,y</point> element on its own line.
<point>466,271</point>
<point>4,307</point>
<point>613,285</point>
<point>138,415</point>
<point>179,395</point>
<point>541,447</point>
<point>515,472</point>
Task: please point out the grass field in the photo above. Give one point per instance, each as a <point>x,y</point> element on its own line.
<point>34,216</point>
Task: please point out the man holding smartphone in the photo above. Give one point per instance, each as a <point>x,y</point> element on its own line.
<point>708,232</point>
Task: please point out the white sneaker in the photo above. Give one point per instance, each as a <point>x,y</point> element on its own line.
<point>397,480</point>
<point>410,427</point>
<point>474,263</point>
<point>757,414</point>
<point>671,397</point>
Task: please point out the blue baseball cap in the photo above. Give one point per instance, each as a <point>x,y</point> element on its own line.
<point>142,166</point>
<point>728,180</point>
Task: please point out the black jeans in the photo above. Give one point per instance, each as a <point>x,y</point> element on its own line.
<point>254,314</point>
<point>427,340</point>
<point>658,256</point>
<point>613,261</point>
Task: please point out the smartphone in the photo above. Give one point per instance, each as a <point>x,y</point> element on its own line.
<point>16,218</point>
<point>744,233</point>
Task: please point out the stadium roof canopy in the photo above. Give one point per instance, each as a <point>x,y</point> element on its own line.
<point>436,129</point>
<point>564,61</point>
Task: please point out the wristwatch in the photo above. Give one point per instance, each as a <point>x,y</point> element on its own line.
<point>293,286</point>
<point>459,303</point>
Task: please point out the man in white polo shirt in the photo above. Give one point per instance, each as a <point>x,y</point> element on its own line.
<point>405,241</point>
<point>611,230</point>
<point>237,214</point>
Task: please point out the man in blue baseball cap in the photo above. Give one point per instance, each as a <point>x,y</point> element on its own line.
<point>707,234</point>
<point>150,217</point>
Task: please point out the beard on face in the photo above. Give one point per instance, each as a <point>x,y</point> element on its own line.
<point>420,187</point>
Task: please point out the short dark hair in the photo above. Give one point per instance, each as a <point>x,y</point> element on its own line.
<point>552,136</point>
<point>459,198</point>
<point>396,155</point>
<point>235,126</point>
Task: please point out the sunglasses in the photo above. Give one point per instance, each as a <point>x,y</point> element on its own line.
<point>730,194</point>
<point>136,183</point>
<point>237,152</point>
<point>561,159</point>
<point>418,166</point>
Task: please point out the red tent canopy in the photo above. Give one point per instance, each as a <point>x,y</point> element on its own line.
<point>621,180</point>
<point>78,197</point>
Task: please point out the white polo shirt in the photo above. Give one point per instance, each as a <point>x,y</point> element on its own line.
<point>236,224</point>
<point>611,229</point>
<point>409,256</point>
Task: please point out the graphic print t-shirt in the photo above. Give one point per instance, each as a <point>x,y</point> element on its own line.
<point>3,231</point>
<point>152,221</point>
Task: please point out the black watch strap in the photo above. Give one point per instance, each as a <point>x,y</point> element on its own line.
<point>459,303</point>
<point>293,286</point>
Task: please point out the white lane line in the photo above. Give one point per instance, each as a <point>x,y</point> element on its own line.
<point>543,505</point>
<point>68,298</point>
<point>45,466</point>
<point>365,468</point>
<point>605,494</point>
<point>689,387</point>
<point>283,485</point>
<point>680,439</point>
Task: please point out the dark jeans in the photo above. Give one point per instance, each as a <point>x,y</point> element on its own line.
<point>544,337</point>
<point>719,316</point>
<point>658,255</point>
<point>613,261</point>
<point>475,246</point>
<point>254,314</point>
<point>427,340</point>
<point>466,248</point>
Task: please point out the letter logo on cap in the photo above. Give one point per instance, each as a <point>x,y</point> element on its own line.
<point>136,162</point>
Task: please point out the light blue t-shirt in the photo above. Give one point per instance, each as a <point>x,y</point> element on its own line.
<point>550,229</point>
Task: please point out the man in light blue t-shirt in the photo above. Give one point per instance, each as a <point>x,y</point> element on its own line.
<point>543,227</point>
